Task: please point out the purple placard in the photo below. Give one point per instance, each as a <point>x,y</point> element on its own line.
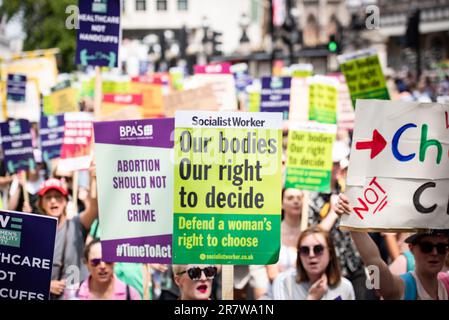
<point>28,240</point>
<point>51,134</point>
<point>17,145</point>
<point>140,250</point>
<point>98,36</point>
<point>16,87</point>
<point>275,95</point>
<point>140,133</point>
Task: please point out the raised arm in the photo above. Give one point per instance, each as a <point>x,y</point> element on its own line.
<point>328,222</point>
<point>88,216</point>
<point>391,286</point>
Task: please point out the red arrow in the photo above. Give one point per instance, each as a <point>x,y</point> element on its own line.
<point>376,145</point>
<point>447,120</point>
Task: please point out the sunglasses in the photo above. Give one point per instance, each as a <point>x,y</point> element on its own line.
<point>97,261</point>
<point>427,247</point>
<point>194,273</point>
<point>317,250</point>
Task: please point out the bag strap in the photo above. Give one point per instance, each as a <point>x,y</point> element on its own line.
<point>64,245</point>
<point>410,292</point>
<point>410,260</point>
<point>128,293</point>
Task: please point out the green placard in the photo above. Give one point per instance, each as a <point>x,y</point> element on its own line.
<point>323,103</point>
<point>116,87</point>
<point>365,78</point>
<point>309,156</point>
<point>254,101</point>
<point>227,189</point>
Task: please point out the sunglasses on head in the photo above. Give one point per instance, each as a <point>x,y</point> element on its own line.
<point>317,250</point>
<point>194,273</point>
<point>427,247</point>
<point>97,261</point>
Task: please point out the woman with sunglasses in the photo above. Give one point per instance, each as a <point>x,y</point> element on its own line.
<point>102,284</point>
<point>317,275</point>
<point>430,249</point>
<point>194,281</point>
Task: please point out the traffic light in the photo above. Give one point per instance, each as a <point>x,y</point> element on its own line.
<point>216,43</point>
<point>333,45</point>
<point>412,33</point>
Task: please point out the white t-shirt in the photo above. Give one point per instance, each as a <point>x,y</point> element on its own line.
<point>422,293</point>
<point>285,287</point>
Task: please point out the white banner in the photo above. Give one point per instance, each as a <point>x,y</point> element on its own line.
<point>398,176</point>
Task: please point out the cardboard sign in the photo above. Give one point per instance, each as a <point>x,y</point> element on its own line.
<point>39,66</point>
<point>61,101</point>
<point>301,70</point>
<point>222,81</point>
<point>114,104</point>
<point>28,109</point>
<point>26,254</point>
<point>309,156</point>
<point>17,145</point>
<point>227,187</point>
<point>323,95</point>
<point>51,134</point>
<point>16,87</point>
<point>202,98</point>
<point>364,75</point>
<point>275,95</point>
<point>135,189</point>
<point>75,152</point>
<point>299,100</point>
<point>98,36</point>
<point>398,173</point>
<point>152,103</point>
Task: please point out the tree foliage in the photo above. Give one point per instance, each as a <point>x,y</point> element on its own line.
<point>43,23</point>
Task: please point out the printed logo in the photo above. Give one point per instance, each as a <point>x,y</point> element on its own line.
<point>136,132</point>
<point>52,121</point>
<point>14,127</point>
<point>100,6</point>
<point>10,233</point>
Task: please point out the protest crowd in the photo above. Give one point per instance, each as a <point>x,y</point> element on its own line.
<point>150,182</point>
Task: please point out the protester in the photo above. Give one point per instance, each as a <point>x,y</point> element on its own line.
<point>322,207</point>
<point>102,284</point>
<point>70,233</point>
<point>317,275</point>
<point>194,281</point>
<point>430,250</point>
<point>290,231</point>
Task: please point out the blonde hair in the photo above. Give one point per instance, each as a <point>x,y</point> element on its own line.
<point>177,268</point>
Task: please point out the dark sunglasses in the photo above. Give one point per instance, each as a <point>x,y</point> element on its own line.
<point>427,247</point>
<point>194,273</point>
<point>96,262</point>
<point>317,250</point>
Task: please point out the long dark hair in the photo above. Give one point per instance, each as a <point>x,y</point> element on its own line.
<point>333,272</point>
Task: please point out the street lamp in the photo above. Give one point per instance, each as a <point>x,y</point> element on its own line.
<point>244,24</point>
<point>206,45</point>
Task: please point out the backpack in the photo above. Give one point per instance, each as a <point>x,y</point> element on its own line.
<point>410,284</point>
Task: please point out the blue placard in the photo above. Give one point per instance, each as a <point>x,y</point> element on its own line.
<point>98,35</point>
<point>17,145</point>
<point>26,254</point>
<point>16,87</point>
<point>51,134</point>
<point>275,95</point>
